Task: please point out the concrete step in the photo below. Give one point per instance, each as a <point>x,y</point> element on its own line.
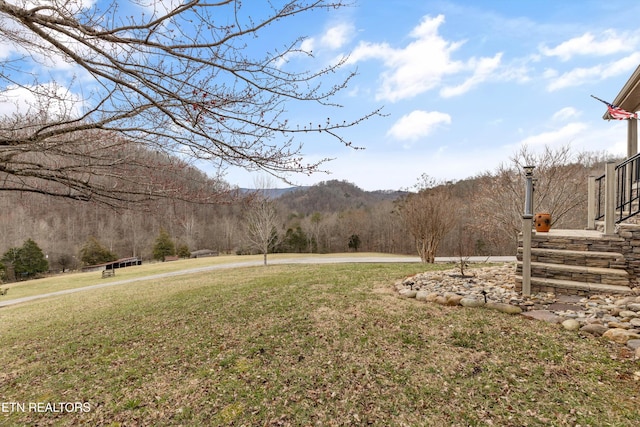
<point>578,273</point>
<point>571,287</point>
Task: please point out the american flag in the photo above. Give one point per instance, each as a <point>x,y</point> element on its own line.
<point>617,113</point>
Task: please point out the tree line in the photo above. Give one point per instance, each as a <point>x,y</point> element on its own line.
<point>106,158</point>
<point>476,216</point>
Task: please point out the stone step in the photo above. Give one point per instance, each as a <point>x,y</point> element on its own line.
<point>572,257</point>
<point>578,273</point>
<point>575,240</point>
<point>571,287</point>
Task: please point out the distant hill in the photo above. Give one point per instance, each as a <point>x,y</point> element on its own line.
<point>332,196</point>
<point>274,193</point>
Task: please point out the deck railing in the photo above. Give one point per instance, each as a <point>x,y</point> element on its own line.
<point>616,195</point>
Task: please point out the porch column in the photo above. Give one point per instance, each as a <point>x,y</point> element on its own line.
<point>591,203</point>
<point>610,198</point>
<point>527,223</point>
<point>632,137</point>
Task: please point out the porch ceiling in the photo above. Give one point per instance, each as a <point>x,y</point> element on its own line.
<point>629,97</point>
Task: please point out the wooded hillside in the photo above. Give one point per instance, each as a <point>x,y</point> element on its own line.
<point>332,216</point>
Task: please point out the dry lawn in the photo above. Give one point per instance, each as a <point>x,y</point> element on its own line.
<point>301,345</point>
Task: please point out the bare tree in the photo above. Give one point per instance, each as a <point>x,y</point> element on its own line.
<point>429,215</point>
<point>560,189</point>
<point>178,79</point>
<point>262,222</point>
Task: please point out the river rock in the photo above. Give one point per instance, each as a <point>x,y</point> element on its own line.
<point>618,325</point>
<point>620,336</point>
<point>544,315</point>
<point>408,293</point>
<point>571,325</point>
<point>441,300</point>
<point>628,314</point>
<point>471,302</point>
<point>432,297</point>
<point>594,329</point>
<point>422,295</point>
<point>633,344</point>
<point>454,299</point>
<point>504,308</point>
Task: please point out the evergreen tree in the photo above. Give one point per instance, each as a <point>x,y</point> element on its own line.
<point>93,253</point>
<point>183,251</point>
<point>34,260</point>
<point>354,242</point>
<point>9,260</point>
<point>295,241</point>
<point>27,261</point>
<point>164,246</point>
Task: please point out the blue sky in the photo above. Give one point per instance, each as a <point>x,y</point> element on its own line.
<point>464,84</point>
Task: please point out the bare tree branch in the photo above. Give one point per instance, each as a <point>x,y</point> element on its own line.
<point>184,81</point>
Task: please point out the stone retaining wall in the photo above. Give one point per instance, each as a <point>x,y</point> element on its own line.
<point>630,233</point>
<point>625,242</point>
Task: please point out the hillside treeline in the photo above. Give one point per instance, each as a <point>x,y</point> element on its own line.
<point>484,214</point>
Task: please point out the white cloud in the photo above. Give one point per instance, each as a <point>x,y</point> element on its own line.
<point>566,114</point>
<point>337,36</point>
<point>417,124</point>
<point>159,7</point>
<point>53,100</point>
<point>422,64</point>
<point>333,38</point>
<point>563,136</point>
<point>608,43</point>
<point>483,69</point>
<point>419,66</point>
<point>580,76</point>
<point>308,45</point>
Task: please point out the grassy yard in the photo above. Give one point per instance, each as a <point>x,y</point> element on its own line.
<point>300,345</point>
<point>74,280</point>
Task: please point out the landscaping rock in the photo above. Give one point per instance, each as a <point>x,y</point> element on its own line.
<point>441,300</point>
<point>494,287</point>
<point>571,325</point>
<point>618,325</point>
<point>408,293</point>
<point>633,307</point>
<point>454,300</point>
<point>620,336</point>
<point>471,302</point>
<point>544,315</point>
<point>594,329</point>
<point>432,297</point>
<point>628,314</point>
<point>504,308</point>
<point>633,344</point>
<point>422,295</point>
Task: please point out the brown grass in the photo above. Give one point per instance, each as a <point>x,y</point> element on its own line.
<point>302,345</point>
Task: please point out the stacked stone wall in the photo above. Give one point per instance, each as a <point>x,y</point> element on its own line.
<point>630,233</point>
<point>625,242</point>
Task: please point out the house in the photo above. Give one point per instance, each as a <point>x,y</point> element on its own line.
<point>604,258</point>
